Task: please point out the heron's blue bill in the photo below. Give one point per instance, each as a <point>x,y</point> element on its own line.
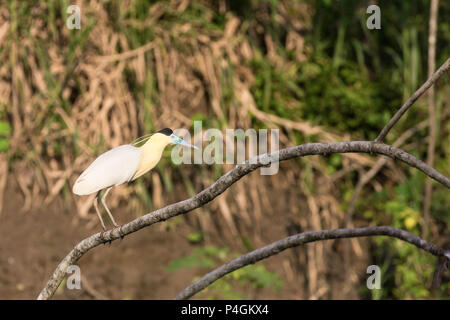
<point>182,142</point>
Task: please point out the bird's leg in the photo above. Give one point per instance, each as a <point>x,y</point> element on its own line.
<point>98,211</point>
<point>99,215</point>
<point>106,207</point>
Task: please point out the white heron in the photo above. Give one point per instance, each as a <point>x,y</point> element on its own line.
<point>123,164</point>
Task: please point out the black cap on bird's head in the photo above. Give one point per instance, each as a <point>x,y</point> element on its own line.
<point>174,139</point>
<point>166,131</point>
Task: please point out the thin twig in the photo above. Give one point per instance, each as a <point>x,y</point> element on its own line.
<point>302,238</point>
<point>444,68</point>
<point>91,290</point>
<point>441,267</point>
<point>221,185</point>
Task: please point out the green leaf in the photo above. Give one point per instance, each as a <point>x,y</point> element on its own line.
<point>195,237</point>
<point>4,145</point>
<point>5,128</point>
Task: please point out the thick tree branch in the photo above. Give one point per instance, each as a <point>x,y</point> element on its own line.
<point>302,238</point>
<point>222,184</point>
<point>444,68</point>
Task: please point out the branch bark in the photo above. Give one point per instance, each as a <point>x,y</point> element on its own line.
<point>431,80</point>
<point>221,185</point>
<point>303,238</point>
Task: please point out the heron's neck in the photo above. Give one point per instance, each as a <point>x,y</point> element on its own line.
<point>151,153</point>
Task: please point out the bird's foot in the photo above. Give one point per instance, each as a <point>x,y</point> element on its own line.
<point>121,233</point>
<point>102,236</point>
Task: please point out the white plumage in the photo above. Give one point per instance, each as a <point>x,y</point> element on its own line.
<point>123,164</point>
<point>111,168</point>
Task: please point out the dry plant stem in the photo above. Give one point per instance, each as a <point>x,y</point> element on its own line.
<point>222,184</point>
<point>91,290</point>
<point>432,114</point>
<point>306,237</point>
<point>444,68</point>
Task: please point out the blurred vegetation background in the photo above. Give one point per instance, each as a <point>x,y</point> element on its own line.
<point>310,68</point>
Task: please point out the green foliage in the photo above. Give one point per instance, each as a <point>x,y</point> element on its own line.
<point>440,206</point>
<point>200,257</point>
<point>409,270</point>
<point>353,78</point>
<point>210,257</point>
<point>5,131</point>
<point>195,237</point>
<point>334,163</point>
<point>404,208</point>
<point>258,277</point>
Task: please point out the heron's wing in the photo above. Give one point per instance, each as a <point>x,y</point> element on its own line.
<point>111,168</point>
<point>141,140</point>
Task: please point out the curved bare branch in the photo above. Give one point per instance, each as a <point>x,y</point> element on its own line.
<point>431,80</point>
<point>225,182</point>
<point>300,239</point>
